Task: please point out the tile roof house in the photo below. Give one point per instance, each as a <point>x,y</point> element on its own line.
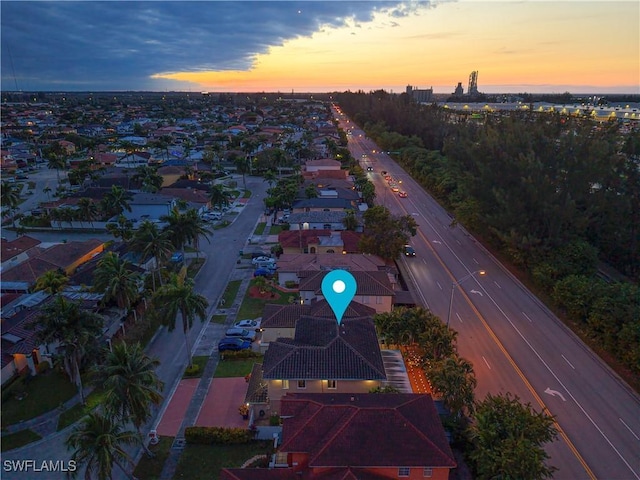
<point>363,437</point>
<point>319,241</point>
<point>17,250</point>
<point>324,357</point>
<point>289,264</point>
<point>374,288</point>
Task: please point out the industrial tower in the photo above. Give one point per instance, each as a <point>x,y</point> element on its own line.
<point>473,84</point>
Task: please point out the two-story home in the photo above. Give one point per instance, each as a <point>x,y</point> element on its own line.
<point>323,357</point>
<point>357,437</point>
<point>374,289</point>
<point>319,241</point>
<point>17,250</point>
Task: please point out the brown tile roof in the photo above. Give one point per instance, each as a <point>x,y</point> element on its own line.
<point>10,249</point>
<point>190,195</point>
<point>257,388</point>
<point>28,271</point>
<point>294,262</point>
<point>258,474</point>
<point>368,283</point>
<point>286,316</point>
<point>322,349</point>
<point>367,430</point>
<point>302,238</point>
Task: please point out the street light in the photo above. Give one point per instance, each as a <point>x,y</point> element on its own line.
<point>453,289</point>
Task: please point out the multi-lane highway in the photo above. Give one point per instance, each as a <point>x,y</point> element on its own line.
<point>514,342</point>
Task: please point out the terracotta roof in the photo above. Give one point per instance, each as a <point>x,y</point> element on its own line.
<point>286,316</point>
<point>10,249</point>
<point>257,388</point>
<point>294,262</point>
<point>188,194</point>
<point>298,238</point>
<point>369,283</point>
<point>322,349</point>
<point>323,162</point>
<point>367,430</point>
<point>258,473</point>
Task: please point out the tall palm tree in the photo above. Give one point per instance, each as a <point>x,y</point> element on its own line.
<point>116,200</point>
<point>51,281</point>
<point>150,242</point>
<point>9,197</point>
<point>87,210</point>
<point>183,228</point>
<point>114,277</point>
<point>178,296</point>
<point>149,178</point>
<point>56,161</point>
<point>123,228</point>
<point>131,384</point>
<point>99,442</point>
<point>218,196</point>
<point>73,329</point>
<point>196,227</point>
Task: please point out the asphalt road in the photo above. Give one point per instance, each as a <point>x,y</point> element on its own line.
<point>514,342</point>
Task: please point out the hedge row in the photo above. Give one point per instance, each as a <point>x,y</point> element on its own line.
<point>220,435</point>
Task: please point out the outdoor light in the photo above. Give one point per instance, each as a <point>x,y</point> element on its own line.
<point>453,289</point>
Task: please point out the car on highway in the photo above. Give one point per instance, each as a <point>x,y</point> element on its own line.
<point>403,194</point>
<point>369,169</point>
<point>395,189</point>
<point>409,251</point>
<point>249,324</point>
<point>233,344</point>
<point>242,333</point>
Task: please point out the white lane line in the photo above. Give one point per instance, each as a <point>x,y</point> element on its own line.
<point>424,261</point>
<point>527,317</point>
<point>458,242</point>
<point>629,428</point>
<point>477,263</point>
<point>497,285</point>
<point>485,361</point>
<point>439,285</point>
<point>565,359</point>
<point>458,317</point>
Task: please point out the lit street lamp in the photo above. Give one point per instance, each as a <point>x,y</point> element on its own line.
<point>453,288</point>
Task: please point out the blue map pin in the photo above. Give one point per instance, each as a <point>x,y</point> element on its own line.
<point>339,288</point>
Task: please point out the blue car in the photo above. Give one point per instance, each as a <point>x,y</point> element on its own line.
<point>263,272</point>
<point>233,344</point>
<point>177,257</point>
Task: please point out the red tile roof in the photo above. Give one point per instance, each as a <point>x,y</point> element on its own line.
<point>10,249</point>
<point>368,283</point>
<point>368,430</point>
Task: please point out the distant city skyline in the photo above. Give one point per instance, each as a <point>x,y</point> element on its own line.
<point>533,47</point>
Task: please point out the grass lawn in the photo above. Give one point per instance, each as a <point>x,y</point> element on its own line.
<point>230,293</point>
<point>219,318</point>
<point>194,266</point>
<point>200,361</point>
<point>149,468</point>
<point>78,411</point>
<point>260,228</point>
<point>18,439</point>
<point>246,194</point>
<point>223,224</point>
<point>45,392</point>
<point>235,367</point>
<point>206,461</point>
<point>252,307</point>
<point>275,229</point>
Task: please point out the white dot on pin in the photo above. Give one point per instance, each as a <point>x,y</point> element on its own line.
<point>339,286</point>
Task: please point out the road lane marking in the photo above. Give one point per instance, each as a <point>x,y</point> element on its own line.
<point>497,285</point>
<point>555,393</point>
<point>477,263</point>
<point>437,241</point>
<point>629,428</point>
<point>477,292</point>
<point>565,359</point>
<point>457,315</point>
<point>485,361</point>
<point>439,284</point>
<point>527,316</point>
<point>424,261</point>
<point>458,242</point>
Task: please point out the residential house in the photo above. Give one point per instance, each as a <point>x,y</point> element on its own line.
<point>350,437</point>
<point>324,204</point>
<point>319,241</point>
<point>289,264</point>
<point>149,206</point>
<point>374,289</point>
<point>279,321</point>
<point>17,251</point>
<point>323,356</point>
<point>319,220</point>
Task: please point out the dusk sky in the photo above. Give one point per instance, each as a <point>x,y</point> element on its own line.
<point>580,47</point>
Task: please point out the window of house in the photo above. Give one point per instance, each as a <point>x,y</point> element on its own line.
<point>327,226</point>
<point>378,300</point>
<point>404,471</point>
<point>427,472</point>
<point>331,250</point>
<point>332,384</point>
<point>365,299</point>
<point>302,384</point>
<point>285,384</point>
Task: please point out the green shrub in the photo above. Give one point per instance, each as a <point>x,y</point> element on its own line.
<point>192,370</point>
<point>274,420</point>
<point>239,354</point>
<point>290,284</point>
<point>217,435</point>
<point>43,367</point>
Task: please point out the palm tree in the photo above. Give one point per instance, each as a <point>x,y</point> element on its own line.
<point>150,242</point>
<point>196,227</point>
<point>218,196</point>
<point>116,201</point>
<point>56,160</point>
<point>454,379</point>
<point>350,221</point>
<point>114,277</point>
<point>9,197</point>
<point>131,384</point>
<point>52,281</point>
<point>87,210</point>
<point>270,177</point>
<point>178,296</point>
<point>47,190</point>
<point>73,329</point>
<point>149,178</point>
<point>123,228</point>
<point>183,228</point>
<point>99,442</point>
<point>242,167</point>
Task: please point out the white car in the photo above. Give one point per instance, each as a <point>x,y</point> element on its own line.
<point>248,324</point>
<point>258,260</point>
<point>241,333</point>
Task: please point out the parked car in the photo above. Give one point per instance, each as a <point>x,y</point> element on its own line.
<point>242,333</point>
<point>409,251</point>
<point>263,272</point>
<point>248,324</point>
<point>263,259</point>
<point>233,344</point>
<point>177,257</point>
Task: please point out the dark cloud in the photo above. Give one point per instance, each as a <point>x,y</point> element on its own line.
<point>117,45</point>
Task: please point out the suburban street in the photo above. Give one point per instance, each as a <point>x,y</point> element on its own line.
<point>514,342</point>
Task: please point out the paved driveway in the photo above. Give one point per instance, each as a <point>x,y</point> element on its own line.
<point>220,407</point>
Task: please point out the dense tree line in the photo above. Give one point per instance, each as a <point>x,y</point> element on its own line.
<point>556,194</point>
